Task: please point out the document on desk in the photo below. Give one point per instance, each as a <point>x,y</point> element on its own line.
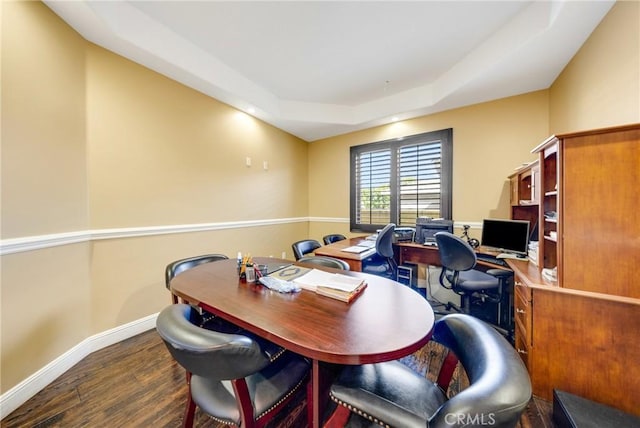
<point>358,249</point>
<point>317,278</point>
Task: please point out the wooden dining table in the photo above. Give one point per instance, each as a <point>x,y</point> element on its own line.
<point>385,322</point>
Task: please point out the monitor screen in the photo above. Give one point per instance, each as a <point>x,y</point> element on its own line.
<point>509,236</point>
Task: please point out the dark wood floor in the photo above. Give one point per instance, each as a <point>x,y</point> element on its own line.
<point>136,383</point>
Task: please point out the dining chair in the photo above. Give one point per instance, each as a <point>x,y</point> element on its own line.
<point>392,394</point>
<point>305,246</point>
<point>335,237</point>
<point>207,319</point>
<point>230,378</point>
<point>325,261</point>
<point>177,267</point>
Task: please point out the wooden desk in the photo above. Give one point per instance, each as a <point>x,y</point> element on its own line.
<point>354,259</point>
<point>429,255</point>
<point>386,322</point>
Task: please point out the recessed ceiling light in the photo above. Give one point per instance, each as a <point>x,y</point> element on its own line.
<point>394,119</point>
<point>251,110</point>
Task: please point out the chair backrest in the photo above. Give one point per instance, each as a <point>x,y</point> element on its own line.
<point>335,237</point>
<point>325,261</point>
<point>499,384</point>
<point>384,241</point>
<point>179,266</point>
<point>455,254</point>
<point>207,353</point>
<point>306,246</point>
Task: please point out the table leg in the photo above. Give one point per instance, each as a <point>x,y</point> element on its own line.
<point>322,375</point>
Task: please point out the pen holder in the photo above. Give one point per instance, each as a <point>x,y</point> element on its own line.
<point>250,273</point>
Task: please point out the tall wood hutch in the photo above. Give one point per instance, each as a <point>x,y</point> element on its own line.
<point>580,333</point>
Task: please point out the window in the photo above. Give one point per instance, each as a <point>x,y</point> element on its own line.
<point>397,181</point>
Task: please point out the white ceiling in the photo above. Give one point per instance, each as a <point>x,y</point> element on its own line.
<point>323,68</point>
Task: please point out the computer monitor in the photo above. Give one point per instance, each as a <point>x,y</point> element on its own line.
<point>507,236</point>
<point>426,229</point>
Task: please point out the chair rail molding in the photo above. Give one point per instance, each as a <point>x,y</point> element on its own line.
<point>30,243</point>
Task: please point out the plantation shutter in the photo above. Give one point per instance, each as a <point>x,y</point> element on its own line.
<point>399,180</point>
<point>419,181</point>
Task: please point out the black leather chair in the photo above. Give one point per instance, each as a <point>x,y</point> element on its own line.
<point>260,387</point>
<point>209,320</point>
<point>306,246</point>
<point>325,261</point>
<point>391,394</point>
<point>335,237</point>
<point>458,274</point>
<point>179,266</point>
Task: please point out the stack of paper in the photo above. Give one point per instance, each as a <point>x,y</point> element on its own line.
<point>336,285</point>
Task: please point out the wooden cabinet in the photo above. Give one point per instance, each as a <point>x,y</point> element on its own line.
<point>579,333</point>
<point>550,155</point>
<point>524,186</point>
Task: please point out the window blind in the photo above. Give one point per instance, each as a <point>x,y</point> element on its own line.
<point>397,181</point>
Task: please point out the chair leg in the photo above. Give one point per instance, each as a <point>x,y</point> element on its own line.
<point>187,420</point>
<point>339,418</point>
<point>245,404</point>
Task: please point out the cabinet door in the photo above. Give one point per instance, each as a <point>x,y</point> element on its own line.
<point>535,184</point>
<point>513,186</point>
<point>600,224</point>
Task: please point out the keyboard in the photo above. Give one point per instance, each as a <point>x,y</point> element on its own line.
<point>491,259</point>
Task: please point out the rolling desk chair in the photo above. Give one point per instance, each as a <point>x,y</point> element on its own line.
<point>386,266</point>
<point>458,274</point>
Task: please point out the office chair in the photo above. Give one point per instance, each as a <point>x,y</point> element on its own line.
<point>325,261</point>
<point>330,239</point>
<point>306,246</point>
<point>230,378</point>
<point>391,394</point>
<point>179,266</point>
<point>383,263</point>
<point>458,274</point>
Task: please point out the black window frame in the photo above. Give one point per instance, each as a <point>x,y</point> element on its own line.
<point>444,137</point>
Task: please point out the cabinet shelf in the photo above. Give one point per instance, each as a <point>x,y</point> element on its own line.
<point>551,193</point>
<point>549,238</point>
<point>551,220</point>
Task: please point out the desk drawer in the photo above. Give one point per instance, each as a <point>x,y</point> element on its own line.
<point>523,315</point>
<point>521,346</point>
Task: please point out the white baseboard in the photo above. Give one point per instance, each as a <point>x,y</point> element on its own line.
<point>19,394</point>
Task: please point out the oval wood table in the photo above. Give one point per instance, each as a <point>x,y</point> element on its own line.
<point>385,322</point>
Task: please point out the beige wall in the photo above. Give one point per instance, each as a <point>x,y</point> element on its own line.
<point>600,87</point>
<point>44,186</point>
<point>91,141</point>
<point>44,299</point>
<point>489,141</point>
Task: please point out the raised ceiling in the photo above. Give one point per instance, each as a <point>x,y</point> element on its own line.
<point>324,68</point>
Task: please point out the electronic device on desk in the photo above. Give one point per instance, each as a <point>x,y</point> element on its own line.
<point>488,258</point>
<point>509,237</point>
<point>404,234</point>
<point>426,229</point>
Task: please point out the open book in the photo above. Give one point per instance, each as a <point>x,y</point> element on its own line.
<point>335,285</point>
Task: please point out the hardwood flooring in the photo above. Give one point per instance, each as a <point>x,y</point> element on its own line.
<point>136,383</point>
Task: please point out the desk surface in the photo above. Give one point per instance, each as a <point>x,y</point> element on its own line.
<point>387,321</point>
<point>336,249</point>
